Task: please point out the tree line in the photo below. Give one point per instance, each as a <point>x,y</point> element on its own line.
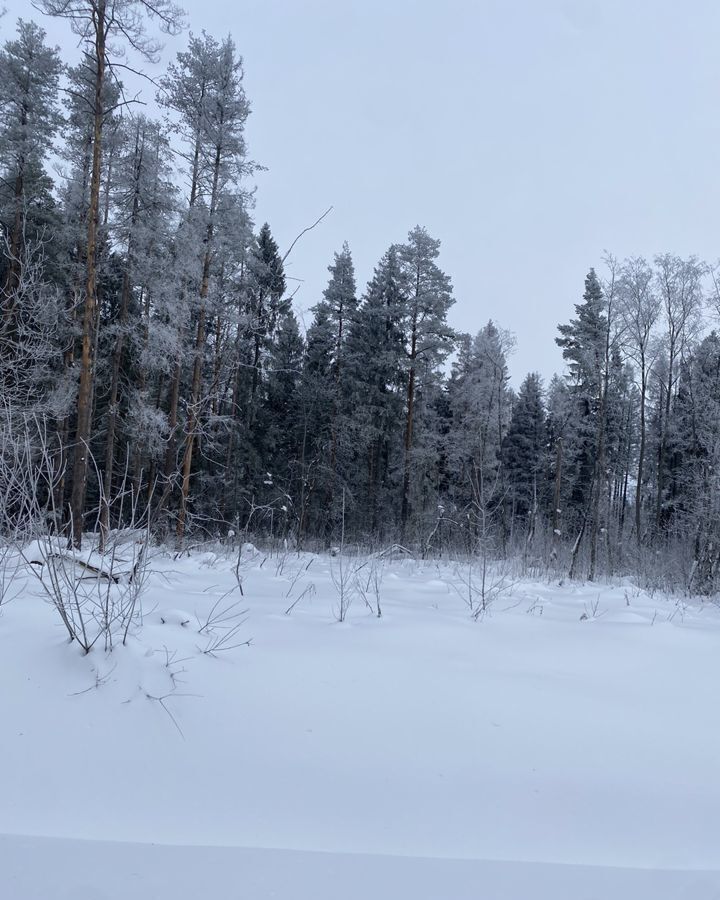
<point>148,341</point>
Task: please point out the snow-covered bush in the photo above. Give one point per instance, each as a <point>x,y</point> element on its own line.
<point>97,593</point>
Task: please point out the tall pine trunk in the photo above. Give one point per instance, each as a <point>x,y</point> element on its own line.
<point>193,411</point>
<point>117,354</point>
<point>409,426</point>
<point>87,358</point>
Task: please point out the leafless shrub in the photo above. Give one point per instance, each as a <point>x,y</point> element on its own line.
<point>96,592</point>
<point>309,591</point>
<point>370,586</point>
<point>479,584</point>
<point>343,579</point>
<point>27,482</point>
<point>223,623</point>
<point>592,610</point>
<point>100,681</point>
<point>344,574</point>
<point>535,608</point>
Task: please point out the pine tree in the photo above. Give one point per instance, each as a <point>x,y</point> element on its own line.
<point>99,27</point>
<point>144,205</point>
<point>427,337</point>
<point>205,89</point>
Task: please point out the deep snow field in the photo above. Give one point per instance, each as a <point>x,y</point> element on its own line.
<point>565,745</point>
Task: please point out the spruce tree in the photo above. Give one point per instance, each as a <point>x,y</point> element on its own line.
<point>525,452</point>
<point>29,119</point>
<point>583,342</point>
<point>282,416</point>
<point>325,364</point>
<point>266,302</point>
<point>374,401</point>
<point>480,406</point>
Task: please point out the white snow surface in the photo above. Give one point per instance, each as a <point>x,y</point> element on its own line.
<point>566,745</point>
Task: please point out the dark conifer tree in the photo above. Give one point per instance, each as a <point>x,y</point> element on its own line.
<point>583,342</point>
<point>374,396</point>
<point>525,453</point>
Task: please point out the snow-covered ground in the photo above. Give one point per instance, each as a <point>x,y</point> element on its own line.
<point>566,745</point>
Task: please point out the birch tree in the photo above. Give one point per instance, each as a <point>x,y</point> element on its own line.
<point>679,286</point>
<point>639,309</point>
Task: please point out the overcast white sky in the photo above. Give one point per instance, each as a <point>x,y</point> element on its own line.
<point>528,136</point>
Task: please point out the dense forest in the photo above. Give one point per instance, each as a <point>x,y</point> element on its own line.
<point>154,371</point>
